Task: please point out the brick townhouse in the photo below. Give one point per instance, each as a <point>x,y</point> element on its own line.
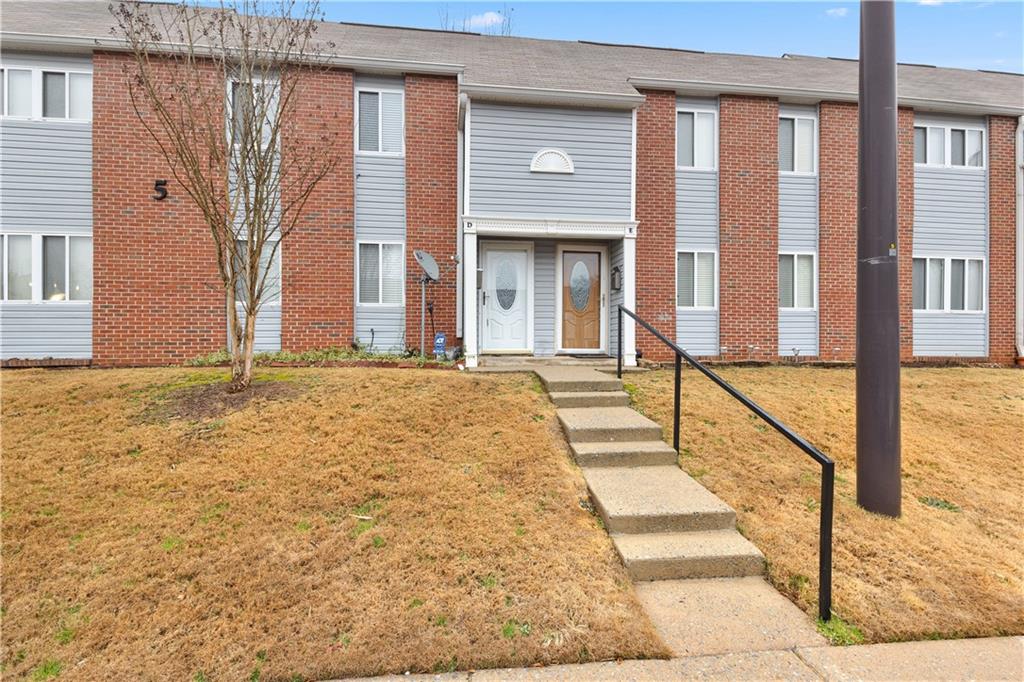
<point>714,194</point>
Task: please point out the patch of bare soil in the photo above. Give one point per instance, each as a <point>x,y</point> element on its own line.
<point>213,400</point>
<point>375,521</point>
<point>951,566</point>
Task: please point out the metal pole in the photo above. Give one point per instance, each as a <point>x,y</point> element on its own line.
<point>675,423</point>
<point>618,369</point>
<point>878,315</point>
<point>828,472</point>
<point>423,315</point>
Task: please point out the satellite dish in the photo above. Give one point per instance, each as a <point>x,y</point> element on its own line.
<point>429,265</point>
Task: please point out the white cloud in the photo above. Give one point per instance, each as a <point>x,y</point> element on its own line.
<point>485,20</point>
<point>837,12</point>
<point>932,3</point>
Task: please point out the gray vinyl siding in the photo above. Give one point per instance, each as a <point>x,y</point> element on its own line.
<point>941,334</point>
<point>45,330</point>
<point>268,329</point>
<point>798,332</point>
<point>697,230</point>
<point>798,231</point>
<point>951,219</point>
<point>46,188</point>
<point>615,255</point>
<point>380,217</point>
<point>697,331</point>
<point>504,139</point>
<point>544,291</point>
<point>798,213</point>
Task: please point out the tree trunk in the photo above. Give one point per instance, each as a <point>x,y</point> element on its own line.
<point>239,378</point>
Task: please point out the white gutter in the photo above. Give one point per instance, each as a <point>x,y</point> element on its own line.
<point>812,96</point>
<point>1020,236</point>
<point>528,95</point>
<point>41,41</point>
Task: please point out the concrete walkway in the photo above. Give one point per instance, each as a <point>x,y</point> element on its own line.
<point>998,658</point>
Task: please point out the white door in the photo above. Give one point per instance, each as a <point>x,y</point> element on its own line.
<point>505,309</point>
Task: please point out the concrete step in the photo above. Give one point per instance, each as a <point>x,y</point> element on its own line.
<point>705,554</point>
<point>606,425</point>
<point>590,399</point>
<point>576,379</point>
<point>655,499</point>
<point>623,454</point>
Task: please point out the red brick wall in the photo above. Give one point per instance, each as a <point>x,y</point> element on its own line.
<point>656,217</point>
<point>317,259</point>
<point>837,231</point>
<point>905,229</point>
<point>1002,224</point>
<point>157,297</point>
<point>748,227</point>
<point>431,198</point>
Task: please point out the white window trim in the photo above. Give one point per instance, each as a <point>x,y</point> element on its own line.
<point>37,94</point>
<point>380,124</point>
<point>695,251</point>
<point>380,275</point>
<point>947,284</point>
<point>796,281</point>
<point>948,146</point>
<point>814,146</point>
<point>693,109</point>
<point>36,256</point>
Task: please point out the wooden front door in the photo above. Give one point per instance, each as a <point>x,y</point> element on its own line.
<point>581,300</point>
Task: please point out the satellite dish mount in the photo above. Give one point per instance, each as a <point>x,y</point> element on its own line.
<point>431,273</point>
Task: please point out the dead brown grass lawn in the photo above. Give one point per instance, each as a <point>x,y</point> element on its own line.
<point>365,521</point>
<point>940,570</point>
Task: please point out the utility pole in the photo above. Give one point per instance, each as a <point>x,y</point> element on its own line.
<point>878,313</point>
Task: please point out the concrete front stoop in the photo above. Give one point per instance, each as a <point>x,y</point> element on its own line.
<point>700,581</point>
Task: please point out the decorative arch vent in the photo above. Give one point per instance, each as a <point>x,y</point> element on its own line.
<point>551,161</point>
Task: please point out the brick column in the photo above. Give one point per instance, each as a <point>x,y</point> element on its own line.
<point>748,200</point>
<point>431,198</point>
<point>317,258</point>
<point>1002,217</point>
<point>837,231</point>
<point>157,297</point>
<point>656,215</point>
<point>905,230</point>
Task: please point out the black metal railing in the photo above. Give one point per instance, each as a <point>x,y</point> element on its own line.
<point>827,465</point>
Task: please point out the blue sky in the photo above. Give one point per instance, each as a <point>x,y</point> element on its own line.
<point>970,35</point>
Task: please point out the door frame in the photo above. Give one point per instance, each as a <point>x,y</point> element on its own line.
<point>506,245</point>
<point>601,249</point>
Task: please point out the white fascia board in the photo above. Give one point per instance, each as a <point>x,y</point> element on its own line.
<point>812,96</point>
<point>39,41</point>
<point>526,95</point>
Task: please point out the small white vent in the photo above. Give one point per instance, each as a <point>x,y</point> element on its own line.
<point>551,161</point>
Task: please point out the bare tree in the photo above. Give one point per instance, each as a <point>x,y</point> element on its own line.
<point>220,92</point>
<point>488,23</point>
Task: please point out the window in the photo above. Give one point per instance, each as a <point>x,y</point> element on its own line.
<point>796,144</point>
<point>796,280</point>
<point>381,273</point>
<point>35,93</point>
<point>695,139</point>
<point>64,262</point>
<point>949,284</point>
<point>695,279</point>
<point>948,146</point>
<point>19,267</point>
<point>18,95</point>
<point>272,281</point>
<point>380,119</point>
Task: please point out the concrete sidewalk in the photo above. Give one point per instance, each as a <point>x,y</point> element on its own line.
<point>997,658</point>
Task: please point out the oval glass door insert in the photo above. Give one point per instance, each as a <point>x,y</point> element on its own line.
<point>579,285</point>
<point>506,284</point>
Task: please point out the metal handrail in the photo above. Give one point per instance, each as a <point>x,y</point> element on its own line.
<point>827,465</point>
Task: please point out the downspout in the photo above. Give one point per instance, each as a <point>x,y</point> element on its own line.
<point>460,146</point>
<point>1020,236</point>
